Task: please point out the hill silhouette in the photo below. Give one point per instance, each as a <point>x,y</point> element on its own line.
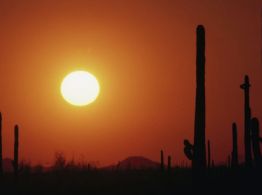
<point>134,163</point>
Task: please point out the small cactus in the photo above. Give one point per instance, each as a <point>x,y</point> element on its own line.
<point>1,154</point>
<point>209,155</point>
<point>162,165</point>
<point>169,163</point>
<point>255,141</point>
<point>234,161</point>
<point>228,161</point>
<point>16,144</point>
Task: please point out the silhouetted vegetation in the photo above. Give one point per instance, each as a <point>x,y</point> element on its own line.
<point>67,177</point>
<point>15,162</point>
<point>1,149</point>
<point>245,86</point>
<point>169,166</point>
<point>234,144</point>
<point>255,141</point>
<point>229,161</point>
<point>162,164</point>
<point>208,154</point>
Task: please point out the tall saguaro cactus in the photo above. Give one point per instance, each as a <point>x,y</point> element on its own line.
<point>256,142</point>
<point>234,156</point>
<point>247,136</point>
<point>16,145</point>
<point>199,159</point>
<point>1,149</point>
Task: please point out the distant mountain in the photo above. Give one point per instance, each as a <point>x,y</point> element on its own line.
<point>134,163</point>
<point>130,163</point>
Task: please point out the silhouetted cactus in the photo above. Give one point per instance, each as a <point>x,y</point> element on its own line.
<point>162,165</point>
<point>255,141</point>
<point>197,152</point>
<point>1,154</point>
<point>228,161</point>
<point>234,157</point>
<point>16,145</point>
<point>199,159</point>
<point>213,164</point>
<point>188,149</point>
<point>209,155</point>
<point>169,163</point>
<point>247,136</point>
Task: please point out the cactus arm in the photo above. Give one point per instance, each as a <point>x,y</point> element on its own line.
<point>188,149</point>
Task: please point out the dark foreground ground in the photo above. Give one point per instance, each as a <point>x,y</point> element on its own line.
<point>178,181</point>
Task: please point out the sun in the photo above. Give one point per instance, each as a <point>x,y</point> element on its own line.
<point>80,88</point>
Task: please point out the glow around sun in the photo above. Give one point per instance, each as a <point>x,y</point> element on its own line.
<point>80,88</point>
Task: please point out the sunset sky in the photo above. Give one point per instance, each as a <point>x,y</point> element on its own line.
<point>143,55</point>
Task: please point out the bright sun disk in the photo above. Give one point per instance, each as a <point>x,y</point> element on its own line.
<point>80,88</point>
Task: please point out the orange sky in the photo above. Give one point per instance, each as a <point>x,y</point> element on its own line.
<point>143,54</point>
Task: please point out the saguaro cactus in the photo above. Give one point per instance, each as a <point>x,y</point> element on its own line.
<point>199,159</point>
<point>15,162</point>
<point>247,136</point>
<point>228,161</point>
<point>169,163</point>
<point>209,155</point>
<point>255,141</point>
<point>1,154</point>
<point>162,165</point>
<point>234,145</point>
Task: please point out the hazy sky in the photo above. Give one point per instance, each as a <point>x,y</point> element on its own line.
<point>143,54</point>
